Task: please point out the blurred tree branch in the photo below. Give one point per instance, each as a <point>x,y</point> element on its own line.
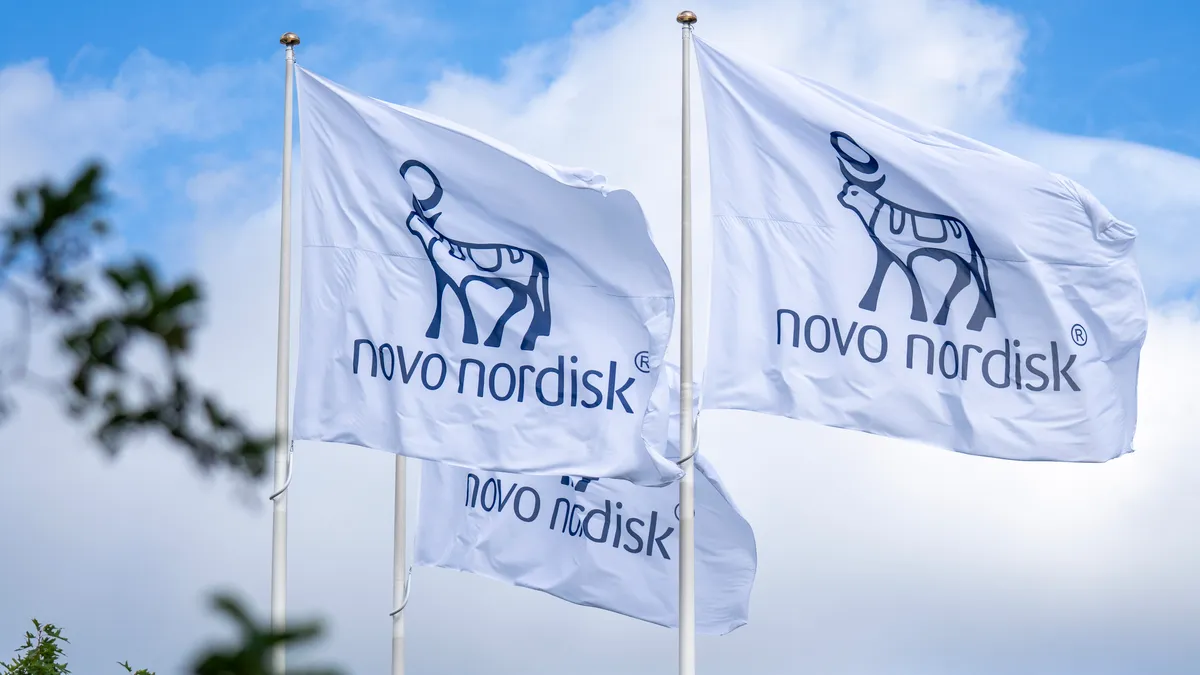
<point>252,655</point>
<point>106,311</point>
<point>109,312</point>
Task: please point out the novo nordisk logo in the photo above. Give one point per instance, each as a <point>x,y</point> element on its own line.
<point>613,524</point>
<point>910,234</point>
<point>901,236</point>
<point>457,263</point>
<point>560,380</point>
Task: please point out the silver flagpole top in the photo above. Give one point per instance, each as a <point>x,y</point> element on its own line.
<point>291,39</point>
<point>686,17</point>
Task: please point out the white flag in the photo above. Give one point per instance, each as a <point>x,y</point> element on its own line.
<point>601,543</point>
<point>877,274</point>
<point>464,303</point>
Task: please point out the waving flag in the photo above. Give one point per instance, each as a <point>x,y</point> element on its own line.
<point>601,543</point>
<point>874,273</point>
<point>464,303</point>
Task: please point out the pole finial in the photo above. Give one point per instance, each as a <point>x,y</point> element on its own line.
<point>289,39</point>
<point>686,17</point>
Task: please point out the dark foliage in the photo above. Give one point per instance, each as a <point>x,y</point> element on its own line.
<point>105,312</point>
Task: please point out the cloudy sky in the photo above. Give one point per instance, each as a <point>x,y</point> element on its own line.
<point>875,556</point>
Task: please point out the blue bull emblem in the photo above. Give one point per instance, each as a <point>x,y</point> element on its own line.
<point>457,263</point>
<point>901,235</point>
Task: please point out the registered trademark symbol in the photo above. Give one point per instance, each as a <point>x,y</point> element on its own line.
<point>642,361</point>
<point>1078,335</point>
<point>677,512</point>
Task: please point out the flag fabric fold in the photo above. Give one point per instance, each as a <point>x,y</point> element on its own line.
<point>878,274</point>
<point>600,543</point>
<point>465,303</point>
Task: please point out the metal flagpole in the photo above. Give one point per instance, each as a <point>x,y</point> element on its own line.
<point>687,487</point>
<point>283,463</point>
<point>399,571</point>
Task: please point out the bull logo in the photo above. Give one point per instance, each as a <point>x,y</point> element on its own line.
<point>901,235</point>
<point>457,263</point>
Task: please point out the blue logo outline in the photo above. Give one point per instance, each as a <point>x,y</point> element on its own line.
<point>534,291</point>
<point>860,195</point>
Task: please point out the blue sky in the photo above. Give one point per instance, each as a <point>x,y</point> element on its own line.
<point>883,558</point>
<point>1112,68</point>
<point>1094,67</point>
<point>87,44</point>
<point>87,39</point>
<point>1102,68</point>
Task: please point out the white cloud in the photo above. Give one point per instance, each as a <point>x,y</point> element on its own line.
<point>875,556</point>
<point>48,127</point>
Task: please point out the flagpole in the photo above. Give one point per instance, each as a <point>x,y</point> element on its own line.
<point>282,363</point>
<point>399,570</point>
<point>687,487</point>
